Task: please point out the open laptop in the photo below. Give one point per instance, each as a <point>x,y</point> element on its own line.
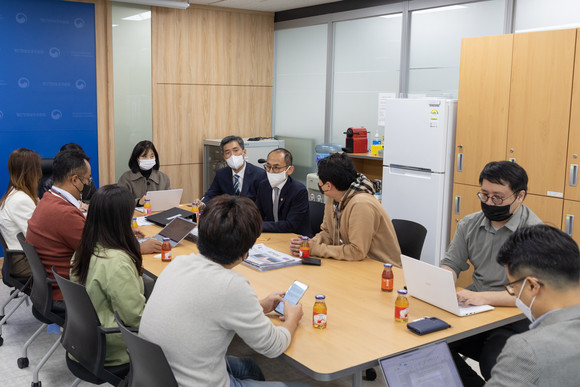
<point>164,199</point>
<point>435,285</point>
<point>426,366</point>
<point>176,230</point>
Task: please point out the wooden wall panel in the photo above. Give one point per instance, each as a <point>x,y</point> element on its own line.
<point>573,192</point>
<point>548,209</point>
<point>187,176</point>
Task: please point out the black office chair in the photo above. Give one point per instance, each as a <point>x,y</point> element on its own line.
<point>149,366</point>
<point>46,179</point>
<point>411,236</point>
<point>20,285</point>
<point>84,338</point>
<point>43,308</point>
<point>316,212</point>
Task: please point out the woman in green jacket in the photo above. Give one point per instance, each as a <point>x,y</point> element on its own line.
<point>108,263</point>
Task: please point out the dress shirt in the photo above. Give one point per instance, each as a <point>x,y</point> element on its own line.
<point>67,195</point>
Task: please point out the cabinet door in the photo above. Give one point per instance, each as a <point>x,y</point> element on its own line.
<point>572,190</point>
<point>548,209</point>
<point>483,104</point>
<point>465,202</point>
<point>539,111</point>
<point>571,219</point>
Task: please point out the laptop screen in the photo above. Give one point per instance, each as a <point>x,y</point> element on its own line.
<point>429,365</point>
<point>177,229</point>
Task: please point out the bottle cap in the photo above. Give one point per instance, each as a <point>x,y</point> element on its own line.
<point>388,265</point>
<point>304,238</point>
<point>147,200</point>
<point>166,239</point>
<point>134,218</point>
<point>402,291</point>
<point>320,296</point>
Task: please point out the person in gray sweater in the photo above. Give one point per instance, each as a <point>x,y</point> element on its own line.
<point>199,303</point>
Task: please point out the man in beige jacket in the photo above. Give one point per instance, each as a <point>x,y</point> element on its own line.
<point>355,225</point>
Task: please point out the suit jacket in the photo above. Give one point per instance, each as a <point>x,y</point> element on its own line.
<point>292,211</point>
<point>223,182</point>
<point>546,355</point>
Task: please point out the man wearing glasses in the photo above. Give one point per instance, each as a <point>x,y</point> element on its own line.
<point>283,201</point>
<point>543,267</point>
<point>478,239</point>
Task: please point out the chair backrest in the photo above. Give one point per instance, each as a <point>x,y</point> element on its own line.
<point>149,366</point>
<point>316,212</point>
<point>41,292</point>
<point>411,236</point>
<point>82,336</point>
<point>7,264</point>
<point>46,179</point>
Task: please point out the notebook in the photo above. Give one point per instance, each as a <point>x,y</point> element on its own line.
<point>435,285</point>
<point>176,230</point>
<point>164,199</point>
<point>163,218</point>
<point>425,366</point>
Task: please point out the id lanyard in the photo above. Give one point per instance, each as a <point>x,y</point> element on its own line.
<point>337,224</point>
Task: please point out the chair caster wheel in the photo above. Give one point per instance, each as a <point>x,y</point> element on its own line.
<point>37,384</point>
<point>1,340</point>
<point>22,362</point>
<point>370,374</point>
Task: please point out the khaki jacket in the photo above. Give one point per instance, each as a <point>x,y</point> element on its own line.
<point>138,185</point>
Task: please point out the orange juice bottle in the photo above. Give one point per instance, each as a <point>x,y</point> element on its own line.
<point>147,207</point>
<point>304,248</point>
<point>402,306</point>
<point>195,210</point>
<point>387,278</point>
<point>166,250</point>
<point>319,312</point>
<point>134,224</point>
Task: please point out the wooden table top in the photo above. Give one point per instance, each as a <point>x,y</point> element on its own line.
<point>361,326</point>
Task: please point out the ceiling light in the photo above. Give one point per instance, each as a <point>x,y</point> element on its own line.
<point>160,3</point>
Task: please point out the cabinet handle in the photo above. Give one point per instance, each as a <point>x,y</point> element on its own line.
<point>573,175</point>
<point>569,225</point>
<point>457,204</point>
<point>460,162</point>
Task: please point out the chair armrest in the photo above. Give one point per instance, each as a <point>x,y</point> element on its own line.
<point>10,251</point>
<point>109,330</point>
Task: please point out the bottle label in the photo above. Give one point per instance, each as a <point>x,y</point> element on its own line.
<point>401,313</point>
<point>166,255</point>
<point>319,319</point>
<point>148,211</point>
<point>304,252</point>
<point>387,284</point>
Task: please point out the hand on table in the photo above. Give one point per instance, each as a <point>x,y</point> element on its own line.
<point>295,245</point>
<point>151,246</point>
<point>271,301</point>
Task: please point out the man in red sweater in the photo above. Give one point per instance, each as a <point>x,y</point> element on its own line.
<point>57,223</point>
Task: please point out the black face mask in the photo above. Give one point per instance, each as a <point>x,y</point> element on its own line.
<point>496,213</point>
<point>320,189</point>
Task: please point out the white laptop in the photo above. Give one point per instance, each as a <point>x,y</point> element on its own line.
<point>435,286</point>
<point>426,366</point>
<point>165,199</point>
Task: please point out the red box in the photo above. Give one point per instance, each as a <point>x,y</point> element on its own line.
<point>356,140</point>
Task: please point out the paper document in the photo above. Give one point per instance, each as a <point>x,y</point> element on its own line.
<point>264,258</point>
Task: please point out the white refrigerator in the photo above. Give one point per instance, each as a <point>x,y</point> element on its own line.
<point>418,167</point>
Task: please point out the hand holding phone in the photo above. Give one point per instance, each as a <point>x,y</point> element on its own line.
<point>293,295</point>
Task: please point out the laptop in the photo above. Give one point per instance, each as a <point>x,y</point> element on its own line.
<point>164,199</point>
<point>163,218</point>
<point>426,366</point>
<point>435,286</point>
<point>176,230</point>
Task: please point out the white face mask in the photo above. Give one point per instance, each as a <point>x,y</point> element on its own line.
<point>526,310</point>
<point>235,161</point>
<point>276,179</point>
<point>146,164</point>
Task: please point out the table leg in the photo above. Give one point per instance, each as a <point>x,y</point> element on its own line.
<point>357,379</point>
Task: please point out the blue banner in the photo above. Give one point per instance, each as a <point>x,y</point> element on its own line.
<point>48,94</point>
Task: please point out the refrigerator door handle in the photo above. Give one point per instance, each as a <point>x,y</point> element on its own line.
<point>460,162</point>
<point>457,205</point>
<point>570,224</point>
<point>573,175</point>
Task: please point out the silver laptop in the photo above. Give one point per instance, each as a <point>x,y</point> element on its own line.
<point>165,199</point>
<point>175,230</point>
<point>435,286</point>
<point>427,366</point>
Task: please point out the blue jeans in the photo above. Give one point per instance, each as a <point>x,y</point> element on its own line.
<point>244,372</point>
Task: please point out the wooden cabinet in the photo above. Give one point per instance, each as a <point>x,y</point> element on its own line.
<point>548,209</point>
<point>571,219</point>
<point>465,202</point>
<point>572,189</point>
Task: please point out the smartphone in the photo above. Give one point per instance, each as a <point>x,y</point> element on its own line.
<point>311,261</point>
<point>293,295</point>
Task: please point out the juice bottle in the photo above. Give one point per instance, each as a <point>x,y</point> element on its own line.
<point>195,210</point>
<point>134,224</point>
<point>402,306</point>
<point>166,250</point>
<point>319,312</point>
<point>387,280</point>
<point>304,248</point>
<point>147,207</point>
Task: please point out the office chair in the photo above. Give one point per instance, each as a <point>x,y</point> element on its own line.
<point>411,236</point>
<point>20,285</point>
<point>149,366</point>
<point>43,308</point>
<point>316,212</point>
<point>46,179</point>
<point>84,338</point>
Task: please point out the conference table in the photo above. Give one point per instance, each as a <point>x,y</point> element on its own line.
<point>361,327</point>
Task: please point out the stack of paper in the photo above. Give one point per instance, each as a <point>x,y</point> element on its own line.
<point>264,258</point>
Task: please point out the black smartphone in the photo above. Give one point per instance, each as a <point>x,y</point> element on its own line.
<point>311,261</point>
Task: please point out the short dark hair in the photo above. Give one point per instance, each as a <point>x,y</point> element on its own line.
<point>288,159</point>
<point>338,169</point>
<point>72,146</point>
<point>67,163</point>
<point>140,148</point>
<point>505,172</point>
<point>228,228</point>
<point>542,251</point>
<point>226,140</point>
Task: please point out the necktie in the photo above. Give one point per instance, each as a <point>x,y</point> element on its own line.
<point>237,184</point>
<point>275,203</point>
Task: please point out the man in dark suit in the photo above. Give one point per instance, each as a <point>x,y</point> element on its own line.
<point>239,177</point>
<point>283,201</point>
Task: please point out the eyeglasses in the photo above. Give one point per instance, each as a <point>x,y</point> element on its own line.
<point>510,287</point>
<point>272,169</point>
<point>497,200</point>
